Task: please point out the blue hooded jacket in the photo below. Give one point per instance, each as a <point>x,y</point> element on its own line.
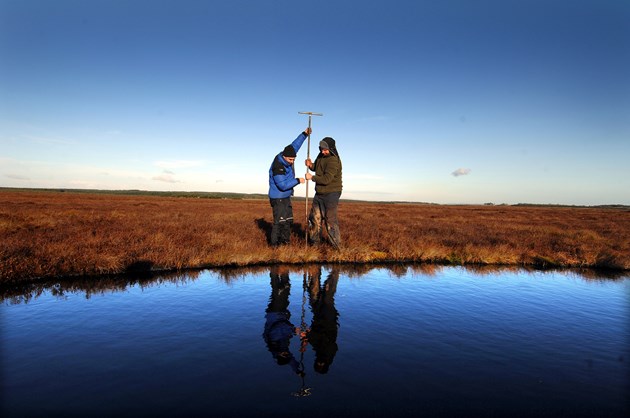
<point>281,174</point>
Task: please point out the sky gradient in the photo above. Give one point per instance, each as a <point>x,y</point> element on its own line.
<point>454,101</point>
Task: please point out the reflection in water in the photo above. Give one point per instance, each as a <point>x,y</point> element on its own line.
<point>278,328</point>
<point>322,333</point>
<point>18,293</point>
<point>417,340</point>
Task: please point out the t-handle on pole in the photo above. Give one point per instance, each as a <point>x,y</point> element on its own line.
<point>308,156</point>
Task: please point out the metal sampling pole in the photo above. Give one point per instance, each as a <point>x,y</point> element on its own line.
<point>308,156</point>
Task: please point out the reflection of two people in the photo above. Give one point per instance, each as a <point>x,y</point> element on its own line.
<point>322,334</point>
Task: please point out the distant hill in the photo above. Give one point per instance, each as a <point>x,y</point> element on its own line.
<point>227,195</point>
<point>134,192</point>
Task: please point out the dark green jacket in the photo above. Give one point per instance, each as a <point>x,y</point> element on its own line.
<point>327,176</point>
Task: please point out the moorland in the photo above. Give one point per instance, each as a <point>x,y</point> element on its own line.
<point>54,233</point>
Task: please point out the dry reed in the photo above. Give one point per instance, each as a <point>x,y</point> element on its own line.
<point>51,234</point>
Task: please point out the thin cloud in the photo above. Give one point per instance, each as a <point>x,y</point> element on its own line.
<point>166,176</point>
<point>461,172</point>
<point>178,164</point>
<point>17,177</point>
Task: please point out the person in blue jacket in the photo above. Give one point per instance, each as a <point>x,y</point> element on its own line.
<point>282,180</point>
<point>278,327</point>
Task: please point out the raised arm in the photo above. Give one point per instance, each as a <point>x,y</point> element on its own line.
<point>297,142</point>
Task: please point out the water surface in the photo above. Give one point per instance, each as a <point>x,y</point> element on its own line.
<point>316,341</point>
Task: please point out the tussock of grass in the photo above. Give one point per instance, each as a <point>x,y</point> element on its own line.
<point>47,234</point>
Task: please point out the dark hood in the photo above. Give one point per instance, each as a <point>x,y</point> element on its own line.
<point>331,145</point>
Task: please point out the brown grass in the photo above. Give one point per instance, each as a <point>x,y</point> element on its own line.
<point>49,234</point>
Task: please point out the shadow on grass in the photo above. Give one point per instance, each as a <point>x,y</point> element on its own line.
<point>265,226</point>
<point>297,229</point>
<point>140,266</point>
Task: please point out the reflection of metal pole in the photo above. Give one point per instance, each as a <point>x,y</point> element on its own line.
<point>308,156</point>
<point>303,391</point>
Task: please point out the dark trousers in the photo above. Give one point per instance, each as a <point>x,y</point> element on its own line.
<point>282,221</point>
<point>323,218</point>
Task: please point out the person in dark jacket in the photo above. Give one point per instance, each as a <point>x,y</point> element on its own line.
<point>323,332</point>
<point>282,180</point>
<point>328,186</point>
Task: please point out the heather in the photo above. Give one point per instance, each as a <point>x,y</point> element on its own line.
<point>52,234</point>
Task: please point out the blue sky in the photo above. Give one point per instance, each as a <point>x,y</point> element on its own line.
<point>454,101</point>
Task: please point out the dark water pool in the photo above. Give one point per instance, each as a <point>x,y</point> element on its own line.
<point>322,341</point>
